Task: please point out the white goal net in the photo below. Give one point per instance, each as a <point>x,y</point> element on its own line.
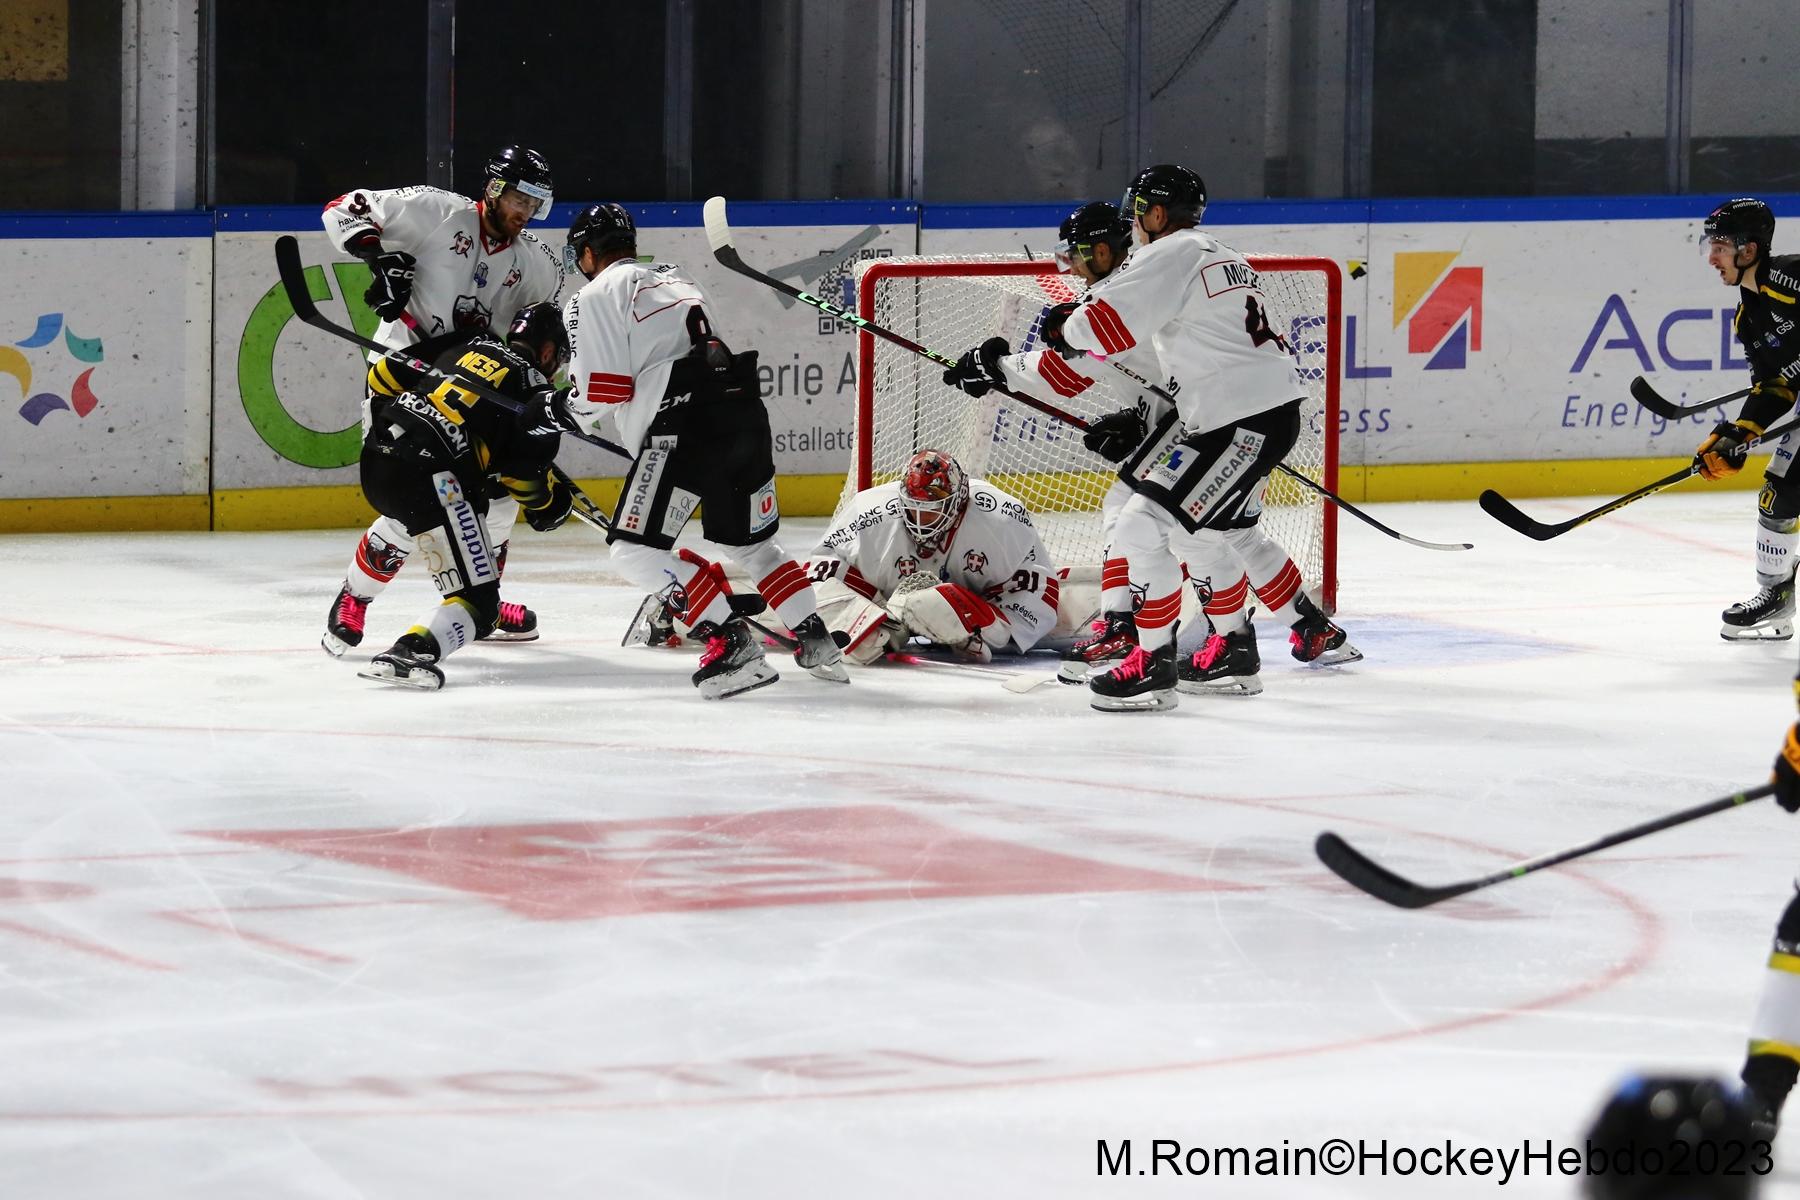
<point>949,304</point>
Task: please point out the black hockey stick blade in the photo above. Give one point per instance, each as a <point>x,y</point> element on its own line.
<point>1652,400</point>
<point>293,282</point>
<point>1508,514</point>
<point>1366,875</point>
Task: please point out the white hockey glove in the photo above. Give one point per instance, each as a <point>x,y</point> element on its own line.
<point>951,615</point>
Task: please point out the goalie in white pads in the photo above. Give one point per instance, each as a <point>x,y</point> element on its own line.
<point>644,351</point>
<point>445,268</point>
<point>1198,487</point>
<point>940,556</point>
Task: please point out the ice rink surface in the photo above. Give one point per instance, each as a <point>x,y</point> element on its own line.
<point>564,929</point>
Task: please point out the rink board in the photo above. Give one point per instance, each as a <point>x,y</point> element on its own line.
<point>158,379</point>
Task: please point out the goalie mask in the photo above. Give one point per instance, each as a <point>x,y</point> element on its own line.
<point>525,170</point>
<point>933,494</point>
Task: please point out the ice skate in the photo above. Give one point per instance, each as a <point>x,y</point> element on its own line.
<point>1143,682</point>
<point>1316,640</point>
<point>1767,616</point>
<point>732,661</point>
<point>818,652</point>
<point>654,624</point>
<point>1226,665</point>
<point>344,623</point>
<point>516,624</point>
<point>411,662</point>
<point>1111,638</point>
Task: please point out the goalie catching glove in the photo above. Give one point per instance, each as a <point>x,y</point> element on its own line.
<point>1725,448</point>
<point>1114,436</point>
<point>949,614</point>
<point>978,371</point>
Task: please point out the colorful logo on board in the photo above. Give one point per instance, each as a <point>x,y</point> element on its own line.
<point>1440,305</point>
<point>81,399</point>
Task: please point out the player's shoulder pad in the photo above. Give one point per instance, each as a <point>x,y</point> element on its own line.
<point>985,497</point>
<point>1784,273</point>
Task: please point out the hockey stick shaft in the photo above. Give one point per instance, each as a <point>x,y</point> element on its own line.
<point>293,282</point>
<point>1510,515</point>
<point>1332,496</point>
<point>1653,400</point>
<point>1363,873</point>
<point>718,232</point>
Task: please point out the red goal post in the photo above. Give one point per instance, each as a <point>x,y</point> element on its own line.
<point>949,303</point>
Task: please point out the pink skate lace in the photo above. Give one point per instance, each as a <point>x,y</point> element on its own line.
<point>1210,653</point>
<point>716,646</point>
<point>511,614</point>
<point>351,611</point>
<point>1132,667</point>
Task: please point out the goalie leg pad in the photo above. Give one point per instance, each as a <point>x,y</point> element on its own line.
<point>868,629</point>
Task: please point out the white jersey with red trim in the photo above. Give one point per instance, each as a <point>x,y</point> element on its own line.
<point>1047,375</point>
<point>1200,305</point>
<point>461,279</point>
<point>627,326</point>
<point>994,552</point>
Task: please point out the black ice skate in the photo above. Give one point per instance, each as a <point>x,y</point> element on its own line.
<point>1767,616</point>
<point>1226,665</point>
<point>819,652</point>
<point>410,662</point>
<point>344,623</point>
<point>1316,640</point>
<point>1143,682</point>
<point>516,624</point>
<point>1111,638</point>
<point>1768,1078</point>
<point>732,661</point>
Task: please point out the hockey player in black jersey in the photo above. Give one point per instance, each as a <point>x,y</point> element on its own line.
<point>432,447</point>
<point>1738,234</point>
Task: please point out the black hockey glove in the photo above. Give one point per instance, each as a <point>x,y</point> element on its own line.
<point>557,501</point>
<point>1116,435</point>
<point>392,286</point>
<point>1725,449</point>
<point>1787,771</point>
<point>978,371</point>
<point>1051,332</point>
<point>559,411</point>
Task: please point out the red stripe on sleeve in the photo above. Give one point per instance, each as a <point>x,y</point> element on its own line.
<point>608,389</point>
<point>1109,327</point>
<point>857,582</point>
<point>1052,592</point>
<point>1060,376</point>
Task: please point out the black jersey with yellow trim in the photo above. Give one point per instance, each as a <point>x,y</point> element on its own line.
<point>518,445</point>
<point>1768,327</point>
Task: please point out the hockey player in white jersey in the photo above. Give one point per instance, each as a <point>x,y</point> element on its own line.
<point>445,267</point>
<point>1200,484</point>
<point>939,556</point>
<point>644,353</point>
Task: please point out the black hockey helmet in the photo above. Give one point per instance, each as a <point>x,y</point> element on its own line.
<point>1178,189</point>
<point>538,325</point>
<point>1669,1114</point>
<point>1088,226</point>
<point>526,170</point>
<point>601,228</point>
<point>1745,219</point>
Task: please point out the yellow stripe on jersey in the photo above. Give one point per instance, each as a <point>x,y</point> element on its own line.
<point>1766,290</point>
<point>1781,1049</point>
<point>1784,962</point>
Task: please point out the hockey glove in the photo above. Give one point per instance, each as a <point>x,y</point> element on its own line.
<point>1116,435</point>
<point>1051,332</point>
<point>392,286</point>
<point>559,411</point>
<point>1787,771</point>
<point>978,371</point>
<point>950,615</point>
<point>1725,449</point>
<point>554,503</point>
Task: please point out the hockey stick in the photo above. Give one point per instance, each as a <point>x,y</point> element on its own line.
<point>718,232</point>
<point>1336,499</point>
<point>293,281</point>
<point>1650,398</point>
<point>1507,513</point>
<point>1359,871</point>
